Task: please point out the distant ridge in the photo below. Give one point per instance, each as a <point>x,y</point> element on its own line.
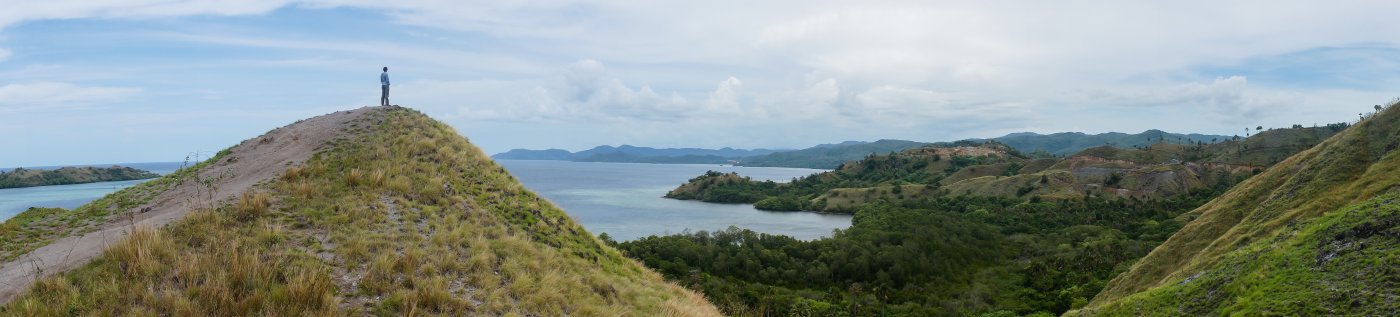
<point>829,156</point>
<point>1066,143</point>
<point>23,177</point>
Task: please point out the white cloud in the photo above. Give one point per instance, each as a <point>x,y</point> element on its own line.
<point>585,91</point>
<point>802,72</point>
<point>4,54</point>
<point>725,99</point>
<point>22,11</point>
<point>1224,97</point>
<point>57,96</point>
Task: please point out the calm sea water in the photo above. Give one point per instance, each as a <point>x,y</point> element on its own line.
<point>15,200</point>
<point>622,199</point>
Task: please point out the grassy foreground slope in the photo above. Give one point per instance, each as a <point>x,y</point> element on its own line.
<point>1314,234</point>
<point>401,216</point>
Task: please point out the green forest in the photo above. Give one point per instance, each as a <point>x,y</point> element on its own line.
<point>965,228</point>
<point>933,256</point>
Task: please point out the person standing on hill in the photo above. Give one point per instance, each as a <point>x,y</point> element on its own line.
<point>384,83</point>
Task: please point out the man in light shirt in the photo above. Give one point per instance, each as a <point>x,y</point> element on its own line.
<point>384,82</point>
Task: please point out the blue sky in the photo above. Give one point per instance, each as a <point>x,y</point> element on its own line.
<point>144,80</point>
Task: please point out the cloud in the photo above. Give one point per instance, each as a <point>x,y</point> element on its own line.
<point>586,91</point>
<point>1225,97</point>
<point>4,54</point>
<point>725,99</point>
<point>23,11</point>
<point>777,74</point>
<point>57,96</point>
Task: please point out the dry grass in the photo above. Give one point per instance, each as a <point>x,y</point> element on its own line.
<point>355,177</point>
<point>252,204</point>
<point>449,233</point>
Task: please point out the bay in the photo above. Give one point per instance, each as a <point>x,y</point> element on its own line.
<point>16,200</point>
<point>625,199</point>
<point>622,199</point>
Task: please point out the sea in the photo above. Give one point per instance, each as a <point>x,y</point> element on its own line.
<point>16,200</point>
<point>622,199</point>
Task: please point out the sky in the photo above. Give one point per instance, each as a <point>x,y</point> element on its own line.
<point>89,82</point>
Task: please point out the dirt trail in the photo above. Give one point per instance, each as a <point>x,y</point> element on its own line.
<point>254,161</point>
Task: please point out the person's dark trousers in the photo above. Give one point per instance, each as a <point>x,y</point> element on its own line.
<point>384,98</point>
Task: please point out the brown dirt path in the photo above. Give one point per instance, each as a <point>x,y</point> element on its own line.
<point>249,163</point>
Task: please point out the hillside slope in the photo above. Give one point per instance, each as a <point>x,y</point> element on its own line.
<point>993,169</point>
<point>394,215</point>
<point>1314,234</point>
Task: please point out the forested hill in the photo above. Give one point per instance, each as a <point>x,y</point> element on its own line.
<point>1317,234</point>
<point>23,177</point>
<point>993,169</point>
<point>986,230</point>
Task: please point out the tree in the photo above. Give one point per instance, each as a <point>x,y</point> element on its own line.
<point>1113,179</point>
<point>607,239</point>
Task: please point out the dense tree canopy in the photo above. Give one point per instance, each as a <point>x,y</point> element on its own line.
<point>936,256</point>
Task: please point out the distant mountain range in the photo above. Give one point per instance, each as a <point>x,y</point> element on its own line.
<point>829,156</point>
<point>1066,143</point>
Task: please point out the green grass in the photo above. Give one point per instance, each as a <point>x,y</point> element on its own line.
<point>37,227</point>
<point>1346,262</point>
<point>404,217</point>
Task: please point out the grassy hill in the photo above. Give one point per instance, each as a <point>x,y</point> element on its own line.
<point>398,215</point>
<point>1316,234</point>
<point>22,177</point>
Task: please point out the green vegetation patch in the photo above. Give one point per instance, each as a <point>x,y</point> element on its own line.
<point>947,256</point>
<point>1346,262</point>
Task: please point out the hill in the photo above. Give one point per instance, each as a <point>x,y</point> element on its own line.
<point>1316,234</point>
<point>21,177</point>
<point>993,169</point>
<point>378,211</point>
<point>636,154</point>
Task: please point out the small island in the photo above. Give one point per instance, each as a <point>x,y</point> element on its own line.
<point>23,177</point>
